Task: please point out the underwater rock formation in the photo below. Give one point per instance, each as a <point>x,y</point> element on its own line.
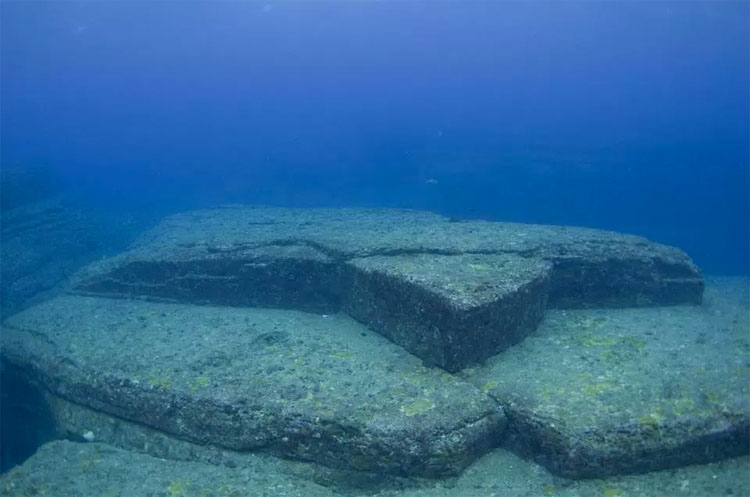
<point>450,310</point>
<point>285,382</point>
<point>264,330</point>
<point>310,259</point>
<point>629,390</point>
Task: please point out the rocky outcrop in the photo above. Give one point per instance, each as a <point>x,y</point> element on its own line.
<point>310,259</point>
<point>304,386</point>
<point>629,390</point>
<point>315,335</point>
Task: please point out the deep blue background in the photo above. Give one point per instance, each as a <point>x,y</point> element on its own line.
<point>625,116</point>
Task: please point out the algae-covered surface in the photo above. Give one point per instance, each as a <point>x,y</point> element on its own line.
<point>466,281</point>
<point>450,310</point>
<point>591,267</point>
<point>595,391</point>
<point>361,232</point>
<point>303,385</point>
<point>70,469</point>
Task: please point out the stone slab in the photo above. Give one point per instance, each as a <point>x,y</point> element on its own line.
<point>323,260</point>
<point>590,267</point>
<point>284,276</point>
<point>449,310</point>
<point>306,386</point>
<point>68,469</point>
<point>65,468</point>
<point>611,391</point>
<point>78,423</point>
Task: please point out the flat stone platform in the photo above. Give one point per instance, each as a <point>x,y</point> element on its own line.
<point>64,468</point>
<point>299,385</point>
<point>317,259</point>
<point>398,343</point>
<point>611,391</point>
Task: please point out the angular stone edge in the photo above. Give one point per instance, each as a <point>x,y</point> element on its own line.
<point>376,447</point>
<point>432,328</point>
<point>591,268</point>
<point>667,277</point>
<point>580,455</point>
<point>74,421</point>
<point>280,276</point>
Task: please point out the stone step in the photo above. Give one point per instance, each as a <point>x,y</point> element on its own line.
<point>449,310</point>
<point>313,387</point>
<point>602,391</point>
<point>64,468</point>
<point>590,393</point>
<point>317,259</point>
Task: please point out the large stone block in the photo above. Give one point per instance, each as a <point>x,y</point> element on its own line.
<point>590,268</point>
<point>612,391</point>
<point>449,310</point>
<point>285,276</point>
<point>452,293</point>
<point>305,386</point>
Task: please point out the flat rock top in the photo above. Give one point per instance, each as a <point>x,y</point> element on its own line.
<point>646,368</point>
<point>362,232</point>
<point>69,469</point>
<point>64,468</point>
<point>326,367</point>
<point>467,280</point>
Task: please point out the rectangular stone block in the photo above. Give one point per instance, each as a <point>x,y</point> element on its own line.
<point>283,276</point>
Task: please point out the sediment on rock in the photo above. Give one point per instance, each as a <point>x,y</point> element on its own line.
<point>298,385</point>
<point>360,261</point>
<point>618,391</point>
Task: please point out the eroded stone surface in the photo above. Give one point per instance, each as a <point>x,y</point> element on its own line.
<point>307,386</point>
<point>597,392</point>
<point>64,468</point>
<point>329,259</point>
<point>590,267</point>
<point>70,469</point>
<point>450,310</point>
<point>286,276</point>
<point>76,422</point>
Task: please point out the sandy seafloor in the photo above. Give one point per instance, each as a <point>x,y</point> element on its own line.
<point>72,469</point>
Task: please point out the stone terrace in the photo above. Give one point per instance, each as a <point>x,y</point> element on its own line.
<point>315,335</point>
<point>322,260</point>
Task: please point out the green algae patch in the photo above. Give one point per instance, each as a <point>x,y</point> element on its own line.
<point>419,406</point>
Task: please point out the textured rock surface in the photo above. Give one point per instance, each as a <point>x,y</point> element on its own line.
<point>310,259</point>
<point>288,276</point>
<point>76,422</point>
<point>83,470</point>
<point>597,392</point>
<point>68,469</point>
<point>449,310</point>
<point>590,267</point>
<point>304,386</point>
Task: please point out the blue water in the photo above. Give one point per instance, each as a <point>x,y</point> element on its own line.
<point>630,116</point>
